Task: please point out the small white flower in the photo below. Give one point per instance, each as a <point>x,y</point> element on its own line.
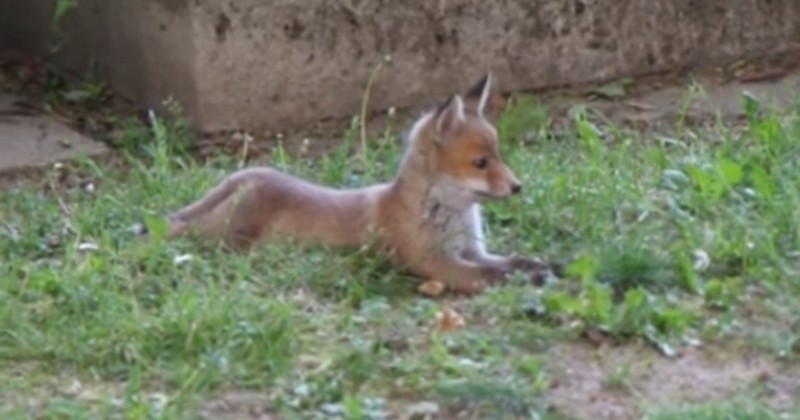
<point>87,246</point>
<point>391,111</point>
<point>89,187</point>
<point>469,363</point>
<point>138,229</point>
<point>182,259</point>
<point>701,260</point>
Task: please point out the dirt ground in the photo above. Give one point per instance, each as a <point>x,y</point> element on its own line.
<point>650,381</point>
<point>645,380</point>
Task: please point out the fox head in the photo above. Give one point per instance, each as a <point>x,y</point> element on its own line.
<point>465,147</point>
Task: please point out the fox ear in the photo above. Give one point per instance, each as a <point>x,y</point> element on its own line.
<point>450,115</point>
<point>476,98</point>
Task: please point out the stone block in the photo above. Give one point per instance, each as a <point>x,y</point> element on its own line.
<point>282,64</point>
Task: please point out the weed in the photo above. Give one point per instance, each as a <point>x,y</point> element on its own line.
<point>619,378</point>
<point>62,8</point>
<point>161,139</point>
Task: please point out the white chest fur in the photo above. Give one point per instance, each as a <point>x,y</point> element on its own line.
<point>456,219</point>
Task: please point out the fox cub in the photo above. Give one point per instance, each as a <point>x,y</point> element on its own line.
<point>428,219</point>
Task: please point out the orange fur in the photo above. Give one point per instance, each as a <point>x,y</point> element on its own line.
<point>428,218</point>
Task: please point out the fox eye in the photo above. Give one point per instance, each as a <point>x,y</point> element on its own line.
<point>481,163</point>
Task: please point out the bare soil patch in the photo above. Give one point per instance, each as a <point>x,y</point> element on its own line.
<point>588,382</point>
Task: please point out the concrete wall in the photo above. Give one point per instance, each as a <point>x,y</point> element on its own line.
<point>279,64</point>
<point>143,50</point>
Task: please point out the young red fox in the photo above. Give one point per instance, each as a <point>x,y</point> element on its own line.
<point>428,219</point>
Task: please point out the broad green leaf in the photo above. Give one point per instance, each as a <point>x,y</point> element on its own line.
<point>762,182</point>
<point>584,267</point>
<point>730,171</point>
<point>751,106</point>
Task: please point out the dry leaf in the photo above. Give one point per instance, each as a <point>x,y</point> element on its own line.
<point>596,336</point>
<point>449,320</point>
<point>431,288</point>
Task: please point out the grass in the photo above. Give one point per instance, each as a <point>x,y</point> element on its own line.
<point>668,238</point>
<point>736,410</point>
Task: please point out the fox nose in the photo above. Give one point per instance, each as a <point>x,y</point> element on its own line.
<point>516,188</point>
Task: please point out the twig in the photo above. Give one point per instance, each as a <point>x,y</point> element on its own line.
<point>12,231</point>
<point>365,105</point>
<point>66,212</point>
<point>354,11</point>
<point>246,139</point>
